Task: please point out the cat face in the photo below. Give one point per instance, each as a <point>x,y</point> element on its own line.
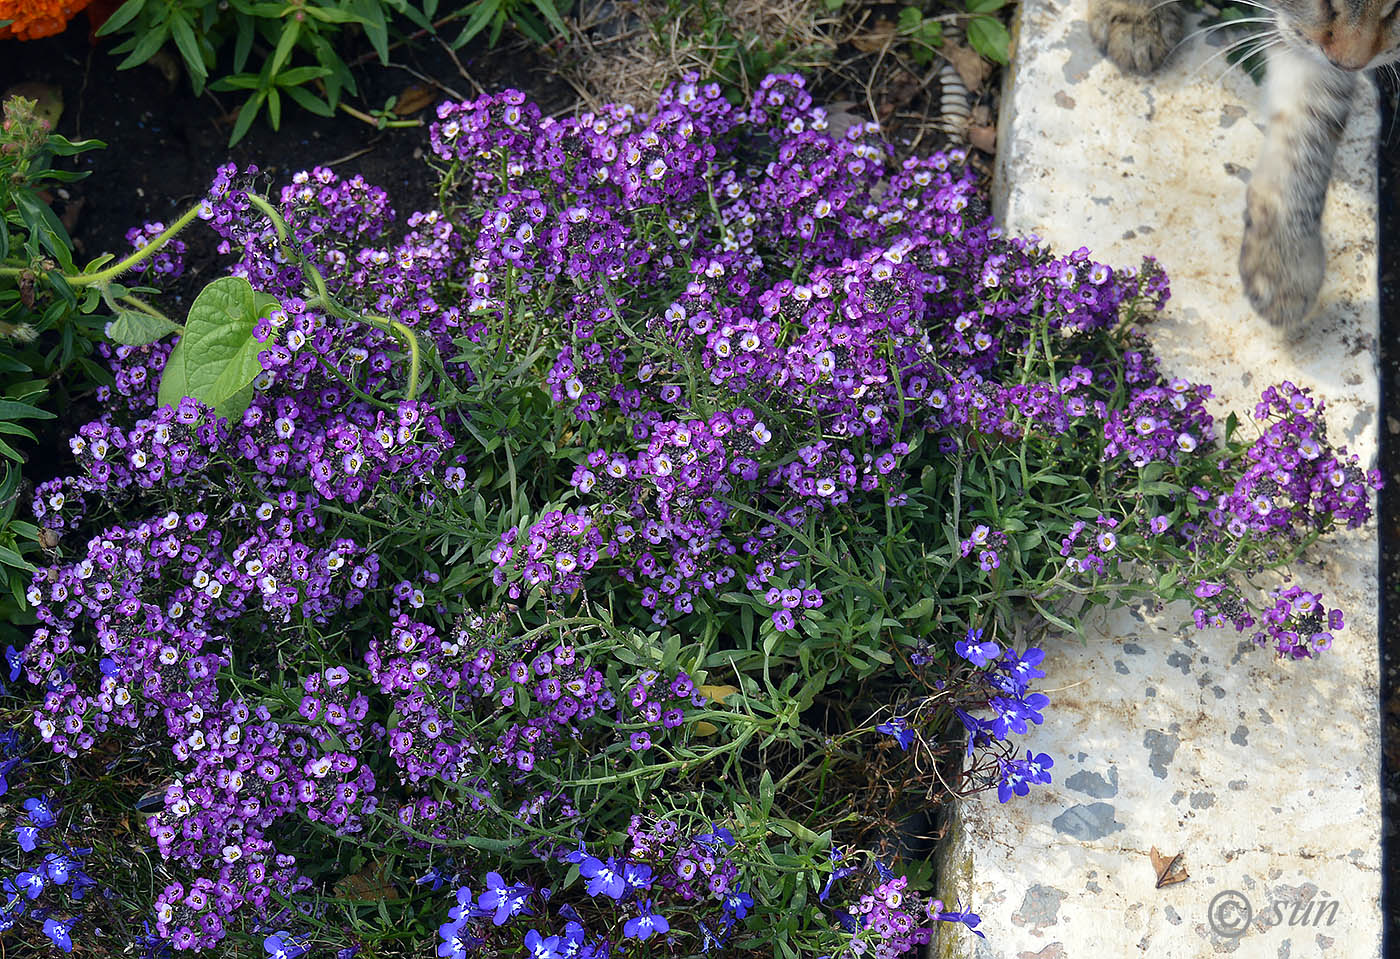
<point>1350,34</point>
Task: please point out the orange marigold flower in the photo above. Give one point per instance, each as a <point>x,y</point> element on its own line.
<point>37,18</point>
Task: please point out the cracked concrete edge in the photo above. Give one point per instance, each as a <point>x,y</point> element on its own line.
<point>1265,776</point>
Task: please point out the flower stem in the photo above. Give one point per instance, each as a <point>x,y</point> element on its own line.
<point>102,277</point>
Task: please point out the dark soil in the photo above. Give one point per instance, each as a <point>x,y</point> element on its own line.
<point>163,144</point>
<point>1390,508</point>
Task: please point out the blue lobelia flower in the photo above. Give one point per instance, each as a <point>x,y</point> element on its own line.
<point>643,926</point>
<point>283,945</point>
<point>58,866</point>
<point>542,947</point>
<point>737,904</point>
<point>500,901</point>
<point>41,814</point>
<point>603,877</point>
<point>711,939</point>
<point>31,883</point>
<point>7,766</point>
<point>14,658</point>
<point>637,876</point>
<point>897,727</point>
<point>719,835</point>
<point>1024,667</point>
<point>433,878</point>
<point>974,650</point>
<point>455,941</point>
<point>465,905</point>
<point>58,932</point>
<point>967,918</point>
<point>846,920</point>
<point>28,837</point>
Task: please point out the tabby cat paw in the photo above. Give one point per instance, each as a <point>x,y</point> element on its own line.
<point>1281,264</point>
<point>1134,34</point>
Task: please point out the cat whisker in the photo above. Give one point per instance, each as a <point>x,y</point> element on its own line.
<point>1220,26</point>
<point>1260,50</point>
<point>1254,3</point>
<point>1261,42</point>
<point>1229,23</point>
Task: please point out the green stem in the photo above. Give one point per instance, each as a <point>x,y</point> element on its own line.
<point>323,298</point>
<point>378,123</point>
<point>112,272</point>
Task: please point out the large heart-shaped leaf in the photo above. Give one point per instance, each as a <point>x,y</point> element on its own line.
<point>216,360</point>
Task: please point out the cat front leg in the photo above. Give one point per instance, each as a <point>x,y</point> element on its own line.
<point>1137,35</point>
<point>1281,258</point>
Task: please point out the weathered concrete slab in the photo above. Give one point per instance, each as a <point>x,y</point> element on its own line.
<point>1265,776</point>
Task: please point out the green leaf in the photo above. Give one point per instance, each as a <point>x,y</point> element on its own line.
<point>61,146</point>
<point>238,81</point>
<point>485,10</point>
<point>133,328</point>
<point>146,46</point>
<point>242,44</point>
<point>552,15</point>
<point>920,609</point>
<point>216,360</point>
<point>188,46</point>
<point>121,17</point>
<point>246,116</point>
<point>296,76</point>
<point>371,14</point>
<point>330,15</point>
<point>285,44</point>
<point>308,102</point>
<point>989,38</point>
<point>42,221</point>
<point>15,410</point>
<point>984,6</point>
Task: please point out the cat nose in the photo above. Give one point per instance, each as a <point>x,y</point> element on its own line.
<point>1347,52</point>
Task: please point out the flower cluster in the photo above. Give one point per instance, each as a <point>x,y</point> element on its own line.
<point>167,263</point>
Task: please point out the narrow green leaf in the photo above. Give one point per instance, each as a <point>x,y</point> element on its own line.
<point>296,76</point>
<point>15,410</point>
<point>308,102</point>
<point>485,10</point>
<point>285,44</point>
<point>61,146</point>
<point>188,46</point>
<point>246,116</point>
<point>371,13</point>
<point>121,17</point>
<point>146,46</point>
<point>40,219</point>
<point>552,15</point>
<point>242,44</point>
<point>920,609</point>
